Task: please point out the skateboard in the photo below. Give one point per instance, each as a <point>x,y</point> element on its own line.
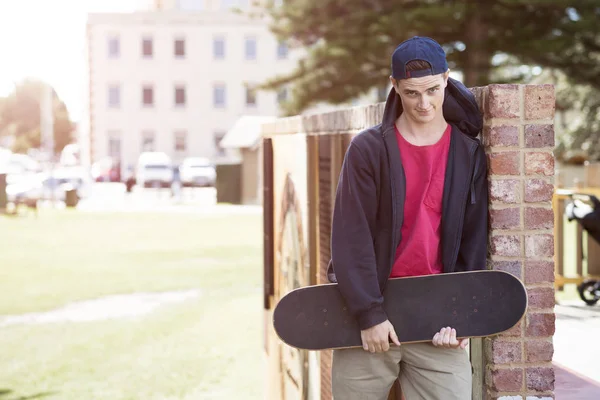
<point>476,304</point>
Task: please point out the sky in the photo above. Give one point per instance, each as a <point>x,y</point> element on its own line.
<point>44,39</point>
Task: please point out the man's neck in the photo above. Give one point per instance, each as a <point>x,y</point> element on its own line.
<point>421,134</point>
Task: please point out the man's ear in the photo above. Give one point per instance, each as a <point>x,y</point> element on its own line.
<point>394,84</point>
<point>445,76</point>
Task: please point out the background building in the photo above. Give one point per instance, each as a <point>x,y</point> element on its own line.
<point>177,78</point>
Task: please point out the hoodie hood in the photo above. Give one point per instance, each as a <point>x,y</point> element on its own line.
<point>459,108</point>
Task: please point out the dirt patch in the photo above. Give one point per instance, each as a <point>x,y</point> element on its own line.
<point>104,308</point>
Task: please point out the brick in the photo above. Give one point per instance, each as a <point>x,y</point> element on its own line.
<point>537,136</point>
<point>500,351</point>
<point>512,267</point>
<point>501,136</point>
<point>540,325</point>
<point>504,163</point>
<point>537,190</point>
<point>503,101</point>
<point>539,272</point>
<point>538,351</point>
<point>540,101</point>
<point>540,298</point>
<point>505,191</point>
<point>505,380</point>
<point>478,92</point>
<point>506,245</point>
<point>539,163</point>
<point>539,246</point>
<point>540,379</point>
<point>539,218</point>
<point>506,218</point>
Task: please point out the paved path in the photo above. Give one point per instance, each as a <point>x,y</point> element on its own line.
<point>576,351</point>
<point>569,385</point>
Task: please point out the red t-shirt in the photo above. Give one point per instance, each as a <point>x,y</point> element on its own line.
<point>419,252</point>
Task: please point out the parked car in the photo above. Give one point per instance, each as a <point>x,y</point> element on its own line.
<point>28,190</point>
<point>197,171</point>
<point>50,185</point>
<point>106,170</point>
<point>154,168</point>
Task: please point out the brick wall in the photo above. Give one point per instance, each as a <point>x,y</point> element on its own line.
<point>519,140</point>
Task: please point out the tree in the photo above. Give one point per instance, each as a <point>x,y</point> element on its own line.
<point>20,117</point>
<point>577,120</point>
<point>349,42</point>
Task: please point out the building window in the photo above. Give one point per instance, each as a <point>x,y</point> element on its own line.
<point>250,48</point>
<point>114,47</point>
<point>282,51</point>
<point>282,95</point>
<point>114,96</point>
<point>147,48</point>
<point>218,136</point>
<point>250,96</point>
<point>179,48</point>
<point>219,48</point>
<point>148,141</point>
<point>114,146</point>
<point>180,96</point>
<point>219,99</point>
<point>148,96</point>
<point>180,141</point>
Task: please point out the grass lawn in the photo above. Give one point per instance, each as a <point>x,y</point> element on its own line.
<point>208,347</point>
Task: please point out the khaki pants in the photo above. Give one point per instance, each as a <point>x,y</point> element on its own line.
<point>426,372</point>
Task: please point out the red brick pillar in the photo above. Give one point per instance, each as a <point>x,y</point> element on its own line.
<point>519,140</point>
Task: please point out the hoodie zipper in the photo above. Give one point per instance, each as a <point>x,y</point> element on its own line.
<point>462,209</point>
<point>394,209</point>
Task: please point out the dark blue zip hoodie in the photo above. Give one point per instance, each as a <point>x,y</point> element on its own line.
<point>369,205</point>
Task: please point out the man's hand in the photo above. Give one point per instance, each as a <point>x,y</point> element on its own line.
<point>447,338</point>
<point>376,338</point>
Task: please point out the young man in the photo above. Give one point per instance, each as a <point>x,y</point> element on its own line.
<point>411,200</point>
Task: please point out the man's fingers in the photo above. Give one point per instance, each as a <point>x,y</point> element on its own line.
<point>455,341</point>
<point>385,346</point>
<point>450,338</point>
<point>444,336</point>
<point>377,339</point>
<point>394,338</point>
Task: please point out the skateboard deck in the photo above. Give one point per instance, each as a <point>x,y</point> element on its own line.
<point>476,304</point>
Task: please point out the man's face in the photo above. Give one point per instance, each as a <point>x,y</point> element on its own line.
<point>422,98</point>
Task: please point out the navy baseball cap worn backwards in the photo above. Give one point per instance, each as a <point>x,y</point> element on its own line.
<point>418,48</point>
